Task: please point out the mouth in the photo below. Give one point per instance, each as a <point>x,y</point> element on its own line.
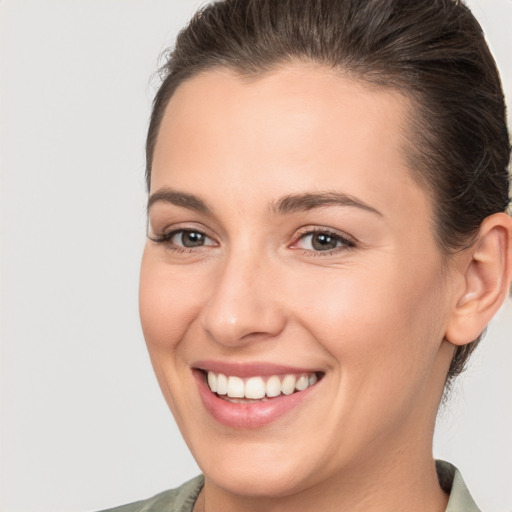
<point>257,389</point>
<point>241,397</point>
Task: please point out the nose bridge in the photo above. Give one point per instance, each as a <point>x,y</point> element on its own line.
<point>241,307</point>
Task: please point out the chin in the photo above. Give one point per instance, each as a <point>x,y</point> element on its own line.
<point>269,480</point>
<point>261,469</point>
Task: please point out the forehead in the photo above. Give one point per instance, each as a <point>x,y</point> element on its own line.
<point>298,128</point>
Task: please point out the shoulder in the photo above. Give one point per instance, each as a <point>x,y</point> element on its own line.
<point>181,499</point>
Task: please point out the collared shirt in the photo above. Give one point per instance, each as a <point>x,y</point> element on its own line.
<point>452,483</point>
<point>182,499</point>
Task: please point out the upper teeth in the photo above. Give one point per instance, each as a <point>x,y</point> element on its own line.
<point>259,387</point>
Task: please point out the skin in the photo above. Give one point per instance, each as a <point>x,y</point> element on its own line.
<point>372,314</point>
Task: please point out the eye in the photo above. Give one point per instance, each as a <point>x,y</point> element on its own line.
<point>184,238</point>
<point>322,241</point>
<point>189,238</point>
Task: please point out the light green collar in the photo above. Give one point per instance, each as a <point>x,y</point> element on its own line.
<point>451,481</point>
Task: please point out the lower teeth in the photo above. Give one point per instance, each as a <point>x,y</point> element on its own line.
<point>242,400</point>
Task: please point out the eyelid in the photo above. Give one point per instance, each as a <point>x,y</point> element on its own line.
<point>306,230</point>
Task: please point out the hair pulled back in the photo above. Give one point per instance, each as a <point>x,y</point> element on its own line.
<point>432,51</point>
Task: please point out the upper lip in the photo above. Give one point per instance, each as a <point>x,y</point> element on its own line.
<point>253,369</point>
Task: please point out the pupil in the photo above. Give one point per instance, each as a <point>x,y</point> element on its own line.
<point>192,239</point>
<point>323,242</point>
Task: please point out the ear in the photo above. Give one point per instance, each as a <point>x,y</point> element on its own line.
<point>486,275</point>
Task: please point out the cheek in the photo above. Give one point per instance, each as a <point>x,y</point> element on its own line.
<point>386,322</point>
<point>169,300</point>
<point>383,334</point>
<point>168,305</point>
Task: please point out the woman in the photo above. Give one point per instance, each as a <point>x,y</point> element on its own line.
<point>327,241</point>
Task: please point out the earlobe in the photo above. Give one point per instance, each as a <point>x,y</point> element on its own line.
<point>487,273</point>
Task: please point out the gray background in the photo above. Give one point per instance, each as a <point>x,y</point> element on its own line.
<point>83,425</point>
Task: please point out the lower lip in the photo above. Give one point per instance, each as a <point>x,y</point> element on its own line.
<point>248,415</point>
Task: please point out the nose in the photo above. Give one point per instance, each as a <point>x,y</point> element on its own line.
<point>244,305</point>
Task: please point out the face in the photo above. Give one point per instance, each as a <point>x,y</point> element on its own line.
<point>291,263</point>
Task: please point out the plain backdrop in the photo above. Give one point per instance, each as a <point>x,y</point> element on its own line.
<point>83,424</point>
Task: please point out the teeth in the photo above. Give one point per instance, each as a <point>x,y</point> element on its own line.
<point>236,387</point>
<point>222,384</point>
<point>302,383</point>
<point>258,388</point>
<point>255,388</point>
<point>212,381</point>
<point>288,384</point>
<point>273,386</point>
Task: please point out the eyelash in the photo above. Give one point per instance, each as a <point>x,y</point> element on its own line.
<point>345,242</point>
<point>165,239</point>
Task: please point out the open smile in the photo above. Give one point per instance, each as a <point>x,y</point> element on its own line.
<point>235,389</point>
<point>250,401</point>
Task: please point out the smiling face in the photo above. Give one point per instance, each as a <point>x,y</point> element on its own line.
<point>287,237</point>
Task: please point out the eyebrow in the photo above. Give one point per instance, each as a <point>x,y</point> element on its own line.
<point>287,204</point>
<point>309,201</point>
<point>189,201</point>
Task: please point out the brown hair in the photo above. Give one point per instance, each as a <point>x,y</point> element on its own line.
<point>433,51</point>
